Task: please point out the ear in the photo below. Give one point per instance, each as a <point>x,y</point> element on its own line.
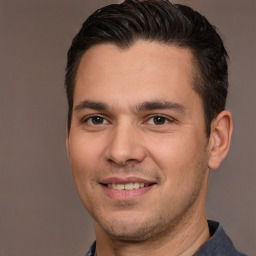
<point>219,141</point>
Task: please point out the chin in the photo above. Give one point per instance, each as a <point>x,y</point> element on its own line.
<point>131,230</point>
<point>131,235</point>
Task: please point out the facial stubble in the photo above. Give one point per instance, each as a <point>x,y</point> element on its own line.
<point>158,224</point>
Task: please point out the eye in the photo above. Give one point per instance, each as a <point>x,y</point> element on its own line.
<point>158,120</point>
<point>96,120</point>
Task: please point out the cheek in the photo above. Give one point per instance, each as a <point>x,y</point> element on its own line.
<point>83,151</point>
<point>178,157</point>
<point>83,159</point>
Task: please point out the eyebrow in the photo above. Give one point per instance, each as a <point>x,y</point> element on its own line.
<point>88,104</point>
<point>155,105</point>
<point>145,106</point>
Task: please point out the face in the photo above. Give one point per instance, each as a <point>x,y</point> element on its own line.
<point>137,144</point>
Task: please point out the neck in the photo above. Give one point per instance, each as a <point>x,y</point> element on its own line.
<point>183,240</point>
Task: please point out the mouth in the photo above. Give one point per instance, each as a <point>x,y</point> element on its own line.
<point>126,186</point>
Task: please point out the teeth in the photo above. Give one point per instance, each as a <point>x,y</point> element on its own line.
<point>136,185</point>
<point>119,186</point>
<point>128,186</point>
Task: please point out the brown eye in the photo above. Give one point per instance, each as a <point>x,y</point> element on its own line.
<point>96,120</point>
<point>159,120</point>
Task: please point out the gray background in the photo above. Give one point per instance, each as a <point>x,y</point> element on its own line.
<point>40,213</point>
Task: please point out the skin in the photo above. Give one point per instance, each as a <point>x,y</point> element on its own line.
<point>137,118</point>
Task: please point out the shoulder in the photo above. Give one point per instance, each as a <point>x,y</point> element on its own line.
<point>219,244</point>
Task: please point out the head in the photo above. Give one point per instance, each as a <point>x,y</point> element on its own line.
<point>159,21</point>
<point>146,84</point>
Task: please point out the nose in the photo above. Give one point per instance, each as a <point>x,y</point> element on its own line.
<point>125,145</point>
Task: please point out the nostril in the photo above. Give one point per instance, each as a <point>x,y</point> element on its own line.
<point>124,163</point>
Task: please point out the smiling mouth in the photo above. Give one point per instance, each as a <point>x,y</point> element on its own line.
<point>128,186</point>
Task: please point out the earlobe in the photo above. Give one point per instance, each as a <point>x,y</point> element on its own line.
<point>219,142</point>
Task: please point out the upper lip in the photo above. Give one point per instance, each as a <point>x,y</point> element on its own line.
<point>126,180</point>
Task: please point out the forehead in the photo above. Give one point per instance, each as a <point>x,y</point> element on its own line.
<point>144,68</point>
<point>140,53</point>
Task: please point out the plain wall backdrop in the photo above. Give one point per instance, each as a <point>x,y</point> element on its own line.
<point>40,213</point>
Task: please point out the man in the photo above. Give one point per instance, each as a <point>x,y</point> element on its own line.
<point>146,84</point>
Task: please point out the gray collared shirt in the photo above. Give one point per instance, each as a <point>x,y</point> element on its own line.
<point>218,245</point>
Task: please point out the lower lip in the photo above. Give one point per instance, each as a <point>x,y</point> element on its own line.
<point>126,194</point>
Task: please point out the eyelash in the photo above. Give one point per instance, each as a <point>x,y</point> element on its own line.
<point>89,120</point>
<point>86,120</point>
<point>165,119</point>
